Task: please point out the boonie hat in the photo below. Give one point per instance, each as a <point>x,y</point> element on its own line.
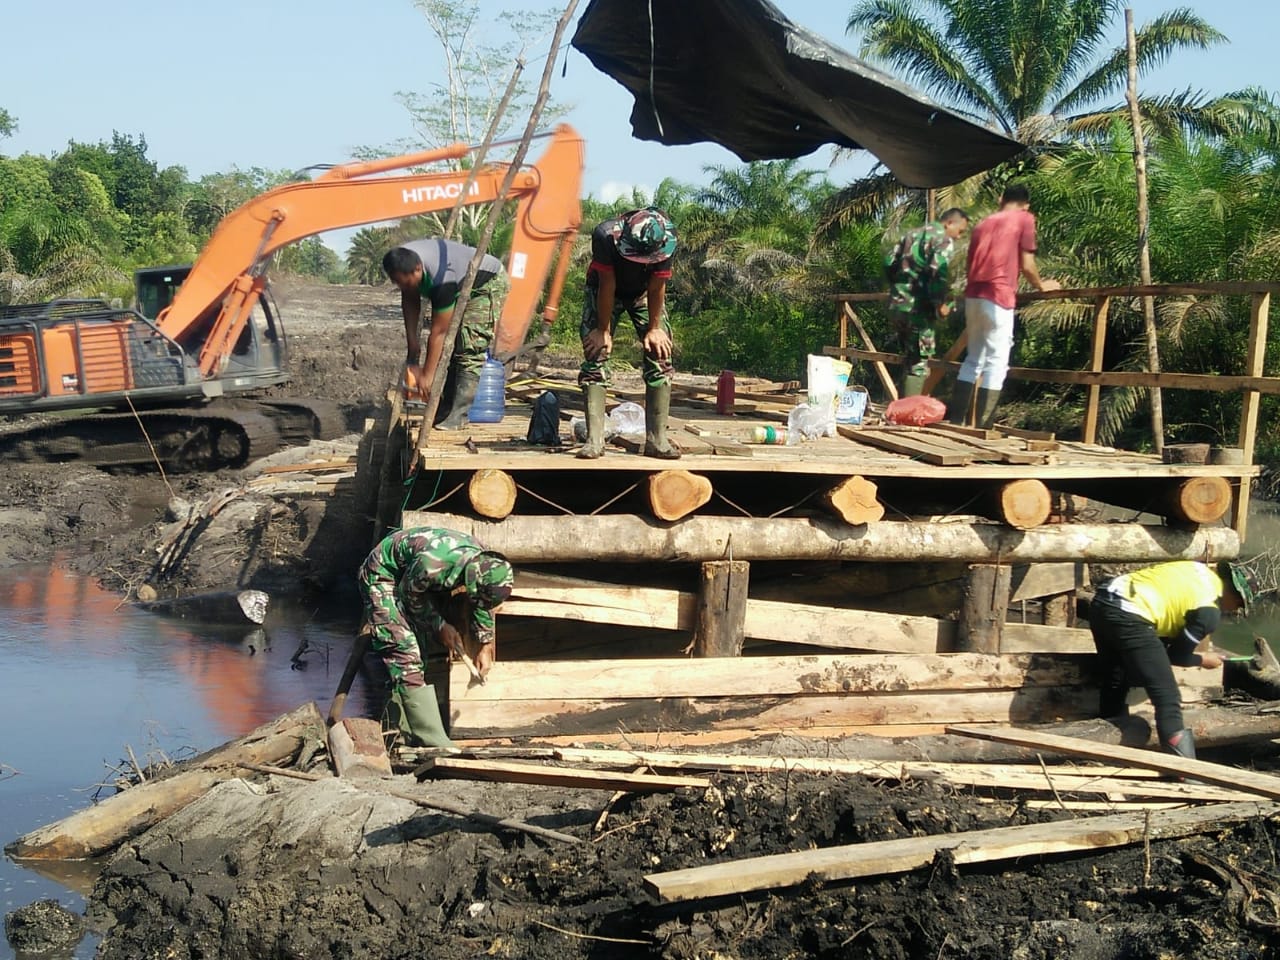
<point>1243,581</point>
<point>489,580</point>
<point>645,236</point>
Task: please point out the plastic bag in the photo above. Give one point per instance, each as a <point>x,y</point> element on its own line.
<point>917,411</point>
<point>544,420</point>
<point>626,419</point>
<point>807,422</point>
<point>852,405</point>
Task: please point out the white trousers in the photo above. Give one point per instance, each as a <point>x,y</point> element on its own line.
<point>990,333</point>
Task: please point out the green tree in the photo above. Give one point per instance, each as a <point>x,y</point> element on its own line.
<point>365,253</point>
<point>8,123</point>
<point>1035,70</point>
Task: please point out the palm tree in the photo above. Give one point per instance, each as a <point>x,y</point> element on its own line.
<point>1034,70</point>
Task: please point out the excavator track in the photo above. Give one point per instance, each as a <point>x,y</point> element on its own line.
<point>218,435</point>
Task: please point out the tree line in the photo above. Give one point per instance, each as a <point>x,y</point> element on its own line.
<point>765,245</point>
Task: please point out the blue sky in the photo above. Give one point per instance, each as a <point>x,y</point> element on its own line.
<point>282,85</point>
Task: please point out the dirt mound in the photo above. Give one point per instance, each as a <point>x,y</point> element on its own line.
<point>331,870</point>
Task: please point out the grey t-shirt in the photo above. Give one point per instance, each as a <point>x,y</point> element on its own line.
<point>444,263</point>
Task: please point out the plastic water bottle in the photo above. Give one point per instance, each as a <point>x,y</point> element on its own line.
<point>490,403</point>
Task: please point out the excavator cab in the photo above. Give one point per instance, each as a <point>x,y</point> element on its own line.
<point>155,287</point>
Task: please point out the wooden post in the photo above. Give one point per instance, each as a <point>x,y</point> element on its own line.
<point>842,315</point>
<point>986,598</point>
<point>1144,223</point>
<point>722,609</point>
<point>1259,317</point>
<point>1101,307</point>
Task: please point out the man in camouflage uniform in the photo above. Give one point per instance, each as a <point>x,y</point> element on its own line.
<point>406,582</point>
<point>918,271</point>
<point>431,272</point>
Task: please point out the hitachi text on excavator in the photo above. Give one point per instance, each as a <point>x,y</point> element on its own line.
<point>180,387</point>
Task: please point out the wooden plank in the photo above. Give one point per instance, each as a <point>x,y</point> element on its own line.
<point>762,714</point>
<point>906,445</point>
<point>513,680</point>
<point>976,846</point>
<point>723,446</point>
<point>1233,778</point>
<point>494,771</point>
<point>672,619</point>
<point>989,451</point>
<point>1259,317</point>
<point>1044,580</point>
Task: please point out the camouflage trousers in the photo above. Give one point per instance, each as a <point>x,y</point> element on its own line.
<point>654,370</point>
<point>916,339</point>
<point>395,630</point>
<point>479,321</point>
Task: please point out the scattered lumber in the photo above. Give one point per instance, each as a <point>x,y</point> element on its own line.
<point>1233,778</point>
<point>496,771</point>
<point>977,846</point>
<point>854,501</point>
<point>228,606</point>
<point>492,493</point>
<point>99,829</point>
<point>674,494</point>
<point>722,446</point>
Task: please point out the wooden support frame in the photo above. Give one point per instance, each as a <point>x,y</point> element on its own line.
<point>721,609</point>
<point>986,598</point>
<point>1097,352</point>
<point>1259,317</point>
<point>847,316</point>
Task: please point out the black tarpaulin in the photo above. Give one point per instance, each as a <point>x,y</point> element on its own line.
<point>739,73</point>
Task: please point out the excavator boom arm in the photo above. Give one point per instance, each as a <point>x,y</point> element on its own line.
<point>210,309</point>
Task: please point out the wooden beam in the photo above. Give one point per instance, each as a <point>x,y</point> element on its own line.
<point>495,771</point>
<point>886,380</point>
<point>1259,317</point>
<point>976,846</point>
<point>1097,354</point>
<point>1215,383</point>
<point>908,444</point>
<point>1233,778</point>
<point>721,609</point>
<point>623,538</point>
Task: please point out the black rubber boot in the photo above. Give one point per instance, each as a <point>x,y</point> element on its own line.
<point>593,397</point>
<point>1182,743</point>
<point>463,393</point>
<point>961,401</point>
<point>988,400</point>
<point>657,404</point>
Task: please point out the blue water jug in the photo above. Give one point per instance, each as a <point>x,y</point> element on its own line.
<point>490,402</point>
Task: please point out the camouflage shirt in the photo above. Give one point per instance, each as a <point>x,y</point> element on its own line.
<point>427,563</point>
<point>918,270</point>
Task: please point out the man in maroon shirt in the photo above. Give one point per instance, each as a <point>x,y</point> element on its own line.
<point>1002,247</point>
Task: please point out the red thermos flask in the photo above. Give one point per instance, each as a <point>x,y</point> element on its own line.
<point>724,393</point>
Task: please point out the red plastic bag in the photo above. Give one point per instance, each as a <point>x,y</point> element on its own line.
<point>917,411</point>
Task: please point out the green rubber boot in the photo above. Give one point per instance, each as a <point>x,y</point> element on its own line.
<point>961,402</point>
<point>657,405</point>
<point>417,715</point>
<point>463,393</point>
<point>988,400</point>
<point>593,396</point>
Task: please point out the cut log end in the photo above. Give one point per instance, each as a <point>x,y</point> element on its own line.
<point>1201,500</point>
<point>674,494</point>
<point>854,501</point>
<point>1024,504</point>
<point>492,493</point>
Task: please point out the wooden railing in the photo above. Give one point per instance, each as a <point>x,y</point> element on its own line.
<point>1252,383</point>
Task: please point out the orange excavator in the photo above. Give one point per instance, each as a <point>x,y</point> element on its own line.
<point>170,384</point>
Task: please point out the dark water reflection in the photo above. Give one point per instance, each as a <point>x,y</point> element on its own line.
<point>84,680</point>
